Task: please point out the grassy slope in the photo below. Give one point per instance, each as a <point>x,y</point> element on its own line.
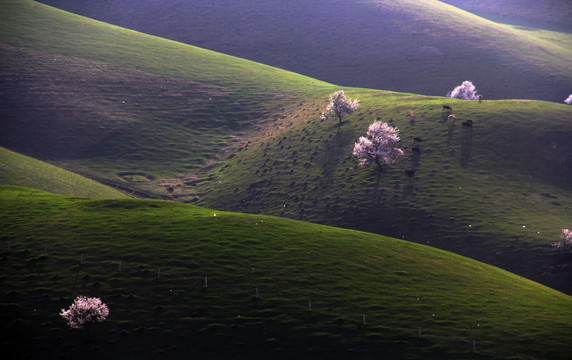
<point>381,44</point>
<point>552,14</point>
<point>120,104</point>
<point>517,151</point>
<point>16,169</point>
<point>499,192</point>
<point>61,247</point>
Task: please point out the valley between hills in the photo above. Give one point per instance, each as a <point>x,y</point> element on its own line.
<point>183,164</point>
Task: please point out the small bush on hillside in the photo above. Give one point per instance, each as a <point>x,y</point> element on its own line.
<point>465,91</point>
<point>568,100</point>
<point>339,106</point>
<point>84,312</point>
<point>380,145</point>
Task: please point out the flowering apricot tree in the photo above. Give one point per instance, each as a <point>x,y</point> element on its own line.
<point>465,91</point>
<point>566,239</point>
<point>339,106</point>
<point>85,311</point>
<point>380,145</point>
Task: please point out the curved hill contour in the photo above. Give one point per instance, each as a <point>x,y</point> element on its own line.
<point>20,170</point>
<point>175,121</point>
<point>182,281</point>
<point>424,47</point>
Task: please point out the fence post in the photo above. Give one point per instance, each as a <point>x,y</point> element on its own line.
<point>419,331</point>
<point>474,346</point>
<point>257,292</point>
<point>364,319</point>
<point>159,273</point>
<point>206,282</point>
<point>309,305</point>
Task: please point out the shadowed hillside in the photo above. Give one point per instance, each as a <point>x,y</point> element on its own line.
<point>185,282</point>
<point>418,47</point>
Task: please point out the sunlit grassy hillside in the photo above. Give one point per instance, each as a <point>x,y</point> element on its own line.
<point>553,14</point>
<point>149,261</point>
<point>120,105</point>
<point>425,47</point>
<point>498,191</point>
<point>160,117</point>
<point>16,169</point>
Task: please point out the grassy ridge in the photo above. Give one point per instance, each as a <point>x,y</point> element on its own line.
<point>34,25</point>
<point>499,191</point>
<point>120,108</point>
<point>553,15</point>
<point>16,169</point>
<point>423,47</point>
<point>161,121</point>
<point>61,247</point>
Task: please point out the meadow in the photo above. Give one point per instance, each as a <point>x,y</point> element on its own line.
<point>163,120</point>
<point>424,47</point>
<point>182,281</point>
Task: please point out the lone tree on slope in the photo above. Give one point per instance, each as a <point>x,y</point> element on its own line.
<point>339,106</point>
<point>380,145</point>
<point>84,312</point>
<point>465,91</point>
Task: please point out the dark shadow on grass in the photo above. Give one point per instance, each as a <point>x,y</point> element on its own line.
<point>466,145</point>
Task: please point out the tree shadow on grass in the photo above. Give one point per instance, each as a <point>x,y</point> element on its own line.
<point>466,146</point>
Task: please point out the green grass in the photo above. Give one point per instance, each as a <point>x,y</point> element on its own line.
<point>120,105</point>
<point>419,47</point>
<point>61,247</point>
<point>16,169</point>
<point>499,192</point>
<point>162,118</point>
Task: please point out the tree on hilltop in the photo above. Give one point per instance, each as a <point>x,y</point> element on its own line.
<point>379,147</point>
<point>568,100</point>
<point>339,106</point>
<point>465,91</point>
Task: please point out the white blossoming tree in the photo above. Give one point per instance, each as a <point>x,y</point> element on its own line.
<point>465,91</point>
<point>379,147</point>
<point>568,100</point>
<point>566,239</point>
<point>339,106</point>
<point>84,312</point>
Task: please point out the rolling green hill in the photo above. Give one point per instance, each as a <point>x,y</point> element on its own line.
<point>552,14</point>
<point>124,109</point>
<point>425,47</point>
<point>147,260</point>
<point>498,192</point>
<point>175,121</point>
<point>16,169</point>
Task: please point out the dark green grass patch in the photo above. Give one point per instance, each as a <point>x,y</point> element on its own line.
<point>149,261</point>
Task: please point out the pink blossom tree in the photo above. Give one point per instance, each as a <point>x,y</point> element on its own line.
<point>339,106</point>
<point>84,312</point>
<point>566,237</point>
<point>465,91</point>
<point>380,145</point>
<point>568,100</point>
